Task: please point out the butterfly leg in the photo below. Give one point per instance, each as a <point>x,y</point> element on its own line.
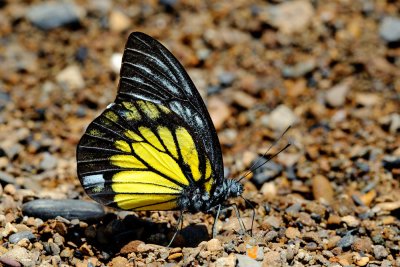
<point>214,227</point>
<point>253,216</point>
<point>178,228</point>
<point>242,226</point>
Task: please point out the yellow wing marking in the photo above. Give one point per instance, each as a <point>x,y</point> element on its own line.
<point>149,109</point>
<point>133,113</point>
<point>160,161</point>
<point>96,132</point>
<point>131,135</point>
<point>127,161</point>
<point>151,201</point>
<point>123,146</point>
<point>111,116</point>
<point>142,176</point>
<point>168,140</point>
<point>209,183</point>
<point>139,188</point>
<point>164,109</point>
<point>151,138</point>
<point>188,151</point>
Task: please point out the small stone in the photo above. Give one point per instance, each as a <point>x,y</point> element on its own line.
<point>119,22</point>
<point>71,77</point>
<point>273,221</point>
<point>312,236</point>
<point>244,100</point>
<point>214,245</point>
<point>361,261</point>
<point>300,14</point>
<point>19,254</point>
<point>363,244</point>
<point>255,252</point>
<point>131,247</point>
<point>380,252</point>
<point>270,236</point>
<point>115,62</point>
<point>48,162</point>
<point>219,111</point>
<point>387,206</point>
<point>51,15</point>
<point>119,262</point>
<point>351,221</point>
<point>267,172</point>
<point>67,208</point>
<point>226,78</point>
<point>246,261</point>
<point>272,258</point>
<point>389,29</point>
<point>300,69</point>
<point>229,261</point>
<point>15,238</point>
<point>322,189</point>
<point>306,219</point>
<point>281,118</point>
<point>269,190</point>
<point>346,241</point>
<point>334,219</point>
<point>175,256</point>
<point>332,242</point>
<point>292,233</point>
<point>336,96</point>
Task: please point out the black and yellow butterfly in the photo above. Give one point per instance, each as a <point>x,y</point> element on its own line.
<point>156,147</point>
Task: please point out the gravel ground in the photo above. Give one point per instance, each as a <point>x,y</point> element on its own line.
<point>331,69</point>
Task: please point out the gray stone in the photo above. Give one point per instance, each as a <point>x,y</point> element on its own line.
<point>48,16</point>
<point>66,208</point>
<point>389,29</point>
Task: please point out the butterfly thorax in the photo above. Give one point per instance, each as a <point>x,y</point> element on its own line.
<point>195,199</point>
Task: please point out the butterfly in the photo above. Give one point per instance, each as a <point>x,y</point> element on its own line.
<point>155,148</point>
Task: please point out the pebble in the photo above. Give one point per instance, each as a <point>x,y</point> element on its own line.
<point>6,178</point>
<point>219,111</point>
<point>300,69</point>
<point>131,247</point>
<point>351,221</point>
<point>48,162</point>
<point>214,245</point>
<point>269,190</point>
<point>336,96</point>
<point>255,252</point>
<point>292,233</point>
<point>118,21</point>
<point>389,29</point>
<point>267,172</point>
<point>271,235</point>
<point>15,238</point>
<point>380,252</point>
<point>387,206</point>
<point>71,77</point>
<point>66,208</point>
<point>300,13</point>
<point>52,15</point>
<point>246,261</point>
<point>273,221</point>
<point>115,62</point>
<point>229,261</point>
<point>226,78</point>
<point>391,162</point>
<point>119,262</point>
<point>322,189</point>
<point>360,260</point>
<point>19,254</point>
<point>346,241</point>
<point>272,258</point>
<point>281,118</point>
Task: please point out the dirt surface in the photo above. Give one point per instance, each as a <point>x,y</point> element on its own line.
<point>331,69</point>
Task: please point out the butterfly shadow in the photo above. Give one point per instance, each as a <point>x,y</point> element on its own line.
<point>112,234</point>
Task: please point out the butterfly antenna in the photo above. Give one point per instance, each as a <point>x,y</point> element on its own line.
<point>265,153</point>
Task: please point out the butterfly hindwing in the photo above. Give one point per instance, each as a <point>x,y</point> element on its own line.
<point>150,72</point>
<point>138,155</point>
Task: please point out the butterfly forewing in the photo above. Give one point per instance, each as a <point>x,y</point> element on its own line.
<point>150,72</point>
